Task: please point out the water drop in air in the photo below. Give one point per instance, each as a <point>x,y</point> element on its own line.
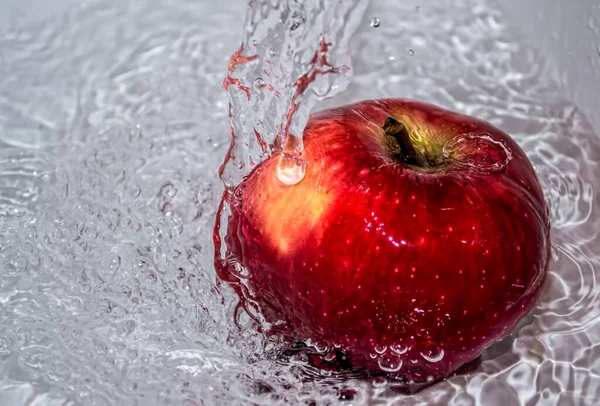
<point>291,169</point>
<point>374,22</point>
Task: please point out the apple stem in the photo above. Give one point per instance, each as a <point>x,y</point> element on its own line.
<point>400,145</point>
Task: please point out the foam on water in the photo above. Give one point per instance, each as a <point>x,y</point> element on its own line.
<point>113,126</point>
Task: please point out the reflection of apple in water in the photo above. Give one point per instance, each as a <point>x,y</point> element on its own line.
<point>418,237</point>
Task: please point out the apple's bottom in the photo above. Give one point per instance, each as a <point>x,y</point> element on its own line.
<point>337,366</point>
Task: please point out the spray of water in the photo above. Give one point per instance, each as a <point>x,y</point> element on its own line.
<point>293,54</point>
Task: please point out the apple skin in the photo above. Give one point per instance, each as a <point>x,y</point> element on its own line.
<point>406,269</point>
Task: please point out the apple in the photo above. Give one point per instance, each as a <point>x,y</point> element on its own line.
<point>418,237</point>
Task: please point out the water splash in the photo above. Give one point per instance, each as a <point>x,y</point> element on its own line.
<point>293,54</point>
<point>479,152</point>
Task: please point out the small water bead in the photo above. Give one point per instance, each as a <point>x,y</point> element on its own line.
<point>390,363</point>
<point>380,349</point>
<point>168,190</point>
<point>399,348</point>
<point>411,52</point>
<point>291,169</point>
<point>375,22</point>
<point>433,356</point>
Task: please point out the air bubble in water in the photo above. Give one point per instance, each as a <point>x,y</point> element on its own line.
<point>375,22</point>
<point>411,52</point>
<point>330,356</point>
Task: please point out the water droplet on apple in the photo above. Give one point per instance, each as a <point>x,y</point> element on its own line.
<point>291,169</point>
<point>321,348</point>
<point>374,22</point>
<point>399,348</point>
<point>330,356</point>
<point>433,356</point>
<point>380,349</point>
<point>480,152</point>
<point>390,363</point>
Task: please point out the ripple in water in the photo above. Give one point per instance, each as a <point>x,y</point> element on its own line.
<point>113,125</point>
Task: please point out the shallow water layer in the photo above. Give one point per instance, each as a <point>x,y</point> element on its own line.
<point>112,125</point>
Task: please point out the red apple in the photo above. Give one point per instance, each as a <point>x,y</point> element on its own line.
<point>418,237</point>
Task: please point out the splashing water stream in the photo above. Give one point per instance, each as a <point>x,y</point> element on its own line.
<point>284,66</point>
